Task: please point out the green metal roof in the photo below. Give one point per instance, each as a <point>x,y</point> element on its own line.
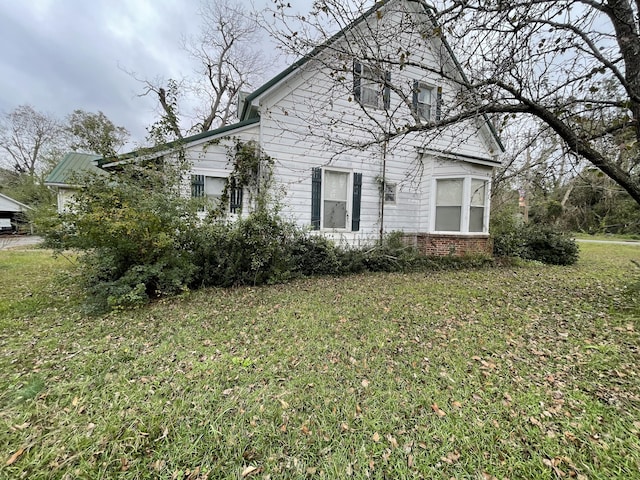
<point>143,152</point>
<point>73,163</point>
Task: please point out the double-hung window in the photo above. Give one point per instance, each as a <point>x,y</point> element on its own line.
<point>449,199</point>
<point>335,199</point>
<point>212,189</point>
<point>461,205</point>
<point>477,206</point>
<point>427,101</point>
<point>371,85</point>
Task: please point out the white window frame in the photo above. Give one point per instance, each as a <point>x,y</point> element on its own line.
<point>432,106</point>
<point>349,206</point>
<point>466,204</point>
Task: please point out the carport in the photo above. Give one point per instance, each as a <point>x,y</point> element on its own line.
<point>12,215</point>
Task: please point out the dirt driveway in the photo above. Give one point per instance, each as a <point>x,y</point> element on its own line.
<point>15,241</point>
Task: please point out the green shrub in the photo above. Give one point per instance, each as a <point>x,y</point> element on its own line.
<point>547,245</point>
<point>506,232</point>
<point>250,251</point>
<point>533,241</point>
<point>131,233</point>
<point>315,255</point>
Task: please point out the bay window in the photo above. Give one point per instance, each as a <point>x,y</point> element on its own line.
<point>461,205</point>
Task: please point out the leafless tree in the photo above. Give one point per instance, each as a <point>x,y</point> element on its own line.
<point>228,59</point>
<point>574,65</point>
<point>30,140</point>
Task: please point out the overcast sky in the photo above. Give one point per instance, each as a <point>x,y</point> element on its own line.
<point>62,55</point>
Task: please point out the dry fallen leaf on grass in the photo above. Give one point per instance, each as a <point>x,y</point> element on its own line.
<point>250,470</point>
<point>14,458</point>
<point>439,412</point>
<point>451,457</point>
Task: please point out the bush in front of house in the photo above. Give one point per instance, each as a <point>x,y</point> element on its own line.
<point>131,229</point>
<point>254,250</point>
<point>140,239</point>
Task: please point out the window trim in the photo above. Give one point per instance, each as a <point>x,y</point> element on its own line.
<point>432,106</point>
<point>383,90</point>
<point>466,204</point>
<point>349,207</point>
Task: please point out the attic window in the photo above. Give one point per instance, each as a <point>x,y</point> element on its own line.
<point>371,86</point>
<point>427,101</point>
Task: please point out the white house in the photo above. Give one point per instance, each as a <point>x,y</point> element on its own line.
<point>344,128</point>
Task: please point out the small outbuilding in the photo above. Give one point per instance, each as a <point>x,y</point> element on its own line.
<point>12,214</point>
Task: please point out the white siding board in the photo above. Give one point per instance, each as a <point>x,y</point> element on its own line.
<point>311,120</point>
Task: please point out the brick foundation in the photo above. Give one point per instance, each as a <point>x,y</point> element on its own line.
<point>456,245</point>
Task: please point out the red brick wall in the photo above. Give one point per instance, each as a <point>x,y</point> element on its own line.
<point>456,245</point>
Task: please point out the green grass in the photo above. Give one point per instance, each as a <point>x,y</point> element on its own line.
<point>520,372</point>
<point>608,237</point>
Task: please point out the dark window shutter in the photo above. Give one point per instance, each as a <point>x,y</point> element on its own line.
<point>235,197</point>
<point>357,73</point>
<point>316,191</point>
<point>386,93</point>
<point>439,104</point>
<point>197,186</point>
<point>357,199</point>
<point>414,101</point>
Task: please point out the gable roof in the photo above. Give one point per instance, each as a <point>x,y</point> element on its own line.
<point>249,112</point>
<point>160,150</point>
<point>73,163</point>
<point>12,204</point>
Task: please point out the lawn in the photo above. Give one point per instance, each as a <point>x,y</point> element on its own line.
<point>520,373</point>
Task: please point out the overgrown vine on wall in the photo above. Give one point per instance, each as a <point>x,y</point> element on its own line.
<point>252,170</point>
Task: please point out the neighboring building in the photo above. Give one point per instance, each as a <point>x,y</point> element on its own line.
<point>335,126</point>
<point>12,214</point>
<point>66,174</point>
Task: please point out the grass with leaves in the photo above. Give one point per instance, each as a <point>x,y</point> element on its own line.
<point>514,372</point>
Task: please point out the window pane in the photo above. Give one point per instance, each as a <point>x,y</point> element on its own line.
<point>476,219</point>
<point>335,214</point>
<point>214,186</point>
<point>449,192</point>
<point>478,192</point>
<point>389,193</point>
<point>448,219</point>
<point>371,87</point>
<point>369,96</point>
<point>335,185</point>
<point>424,95</point>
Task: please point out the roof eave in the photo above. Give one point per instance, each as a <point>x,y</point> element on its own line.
<point>170,147</point>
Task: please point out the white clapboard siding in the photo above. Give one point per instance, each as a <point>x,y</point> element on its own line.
<point>310,119</point>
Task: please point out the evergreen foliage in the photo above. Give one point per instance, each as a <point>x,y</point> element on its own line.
<point>531,241</point>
